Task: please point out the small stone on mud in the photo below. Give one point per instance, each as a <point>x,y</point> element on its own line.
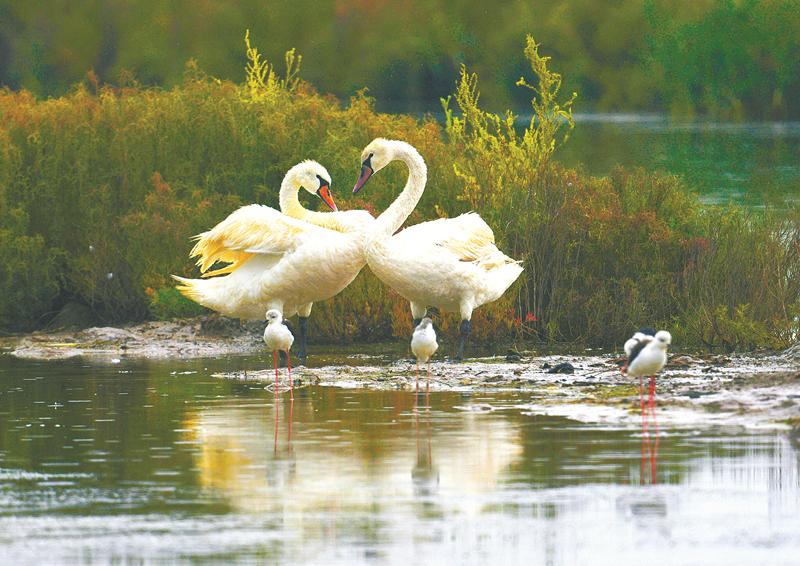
<point>513,356</point>
<point>563,367</point>
<point>695,394</point>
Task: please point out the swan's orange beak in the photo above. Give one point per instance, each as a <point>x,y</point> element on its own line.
<point>324,193</point>
<point>366,173</point>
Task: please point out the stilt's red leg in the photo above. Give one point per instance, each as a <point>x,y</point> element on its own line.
<point>428,434</point>
<point>641,404</point>
<point>652,401</point>
<point>428,382</point>
<point>653,460</point>
<point>654,447</point>
<point>645,452</point>
<point>417,387</point>
<point>416,418</point>
<point>275,361</point>
<point>277,410</point>
<point>289,365</point>
<point>291,415</point>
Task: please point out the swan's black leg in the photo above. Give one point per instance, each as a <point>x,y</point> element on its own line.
<point>283,361</point>
<point>463,330</point>
<point>302,352</point>
<point>415,322</point>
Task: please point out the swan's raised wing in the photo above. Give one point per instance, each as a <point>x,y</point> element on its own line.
<point>466,237</point>
<point>252,229</point>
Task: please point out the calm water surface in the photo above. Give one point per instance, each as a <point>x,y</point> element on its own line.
<point>160,461</point>
<point>748,163</point>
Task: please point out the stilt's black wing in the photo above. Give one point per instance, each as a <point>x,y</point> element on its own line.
<point>638,348</point>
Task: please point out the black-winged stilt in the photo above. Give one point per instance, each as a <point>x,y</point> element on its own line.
<point>279,338</point>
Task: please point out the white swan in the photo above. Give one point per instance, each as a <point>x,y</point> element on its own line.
<point>279,338</point>
<point>450,263</point>
<point>345,221</point>
<point>276,262</point>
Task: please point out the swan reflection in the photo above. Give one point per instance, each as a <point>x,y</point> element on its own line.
<point>290,456</point>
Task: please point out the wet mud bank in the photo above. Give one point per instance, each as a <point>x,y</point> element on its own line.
<point>187,338</point>
<point>746,391</point>
<point>743,390</point>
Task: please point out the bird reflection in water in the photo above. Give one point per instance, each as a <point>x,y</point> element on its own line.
<point>289,426</point>
<point>424,475</point>
<point>650,439</point>
<point>282,468</point>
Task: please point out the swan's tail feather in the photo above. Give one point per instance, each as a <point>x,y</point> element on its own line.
<point>230,268</point>
<point>191,289</point>
<point>500,279</point>
<point>495,259</point>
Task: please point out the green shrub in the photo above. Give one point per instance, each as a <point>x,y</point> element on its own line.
<point>167,303</point>
<point>29,275</point>
<point>101,189</point>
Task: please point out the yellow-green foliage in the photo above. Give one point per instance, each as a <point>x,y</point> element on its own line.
<point>101,189</point>
<point>262,80</point>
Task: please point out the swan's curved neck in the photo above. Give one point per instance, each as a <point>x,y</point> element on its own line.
<point>290,204</point>
<point>393,217</point>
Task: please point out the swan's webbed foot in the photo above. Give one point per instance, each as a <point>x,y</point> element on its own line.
<point>463,330</point>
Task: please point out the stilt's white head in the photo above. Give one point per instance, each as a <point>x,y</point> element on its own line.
<point>377,155</point>
<point>663,339</point>
<point>314,178</point>
<point>274,316</point>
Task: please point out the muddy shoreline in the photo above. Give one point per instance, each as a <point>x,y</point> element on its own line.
<point>744,391</point>
<point>207,336</point>
<point>741,390</point>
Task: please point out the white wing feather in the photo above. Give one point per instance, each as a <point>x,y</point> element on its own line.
<point>467,237</point>
<point>252,229</point>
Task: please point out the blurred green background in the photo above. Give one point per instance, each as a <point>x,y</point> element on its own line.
<point>725,58</point>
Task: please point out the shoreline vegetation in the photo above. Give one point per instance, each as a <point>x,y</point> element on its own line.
<point>100,190</point>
